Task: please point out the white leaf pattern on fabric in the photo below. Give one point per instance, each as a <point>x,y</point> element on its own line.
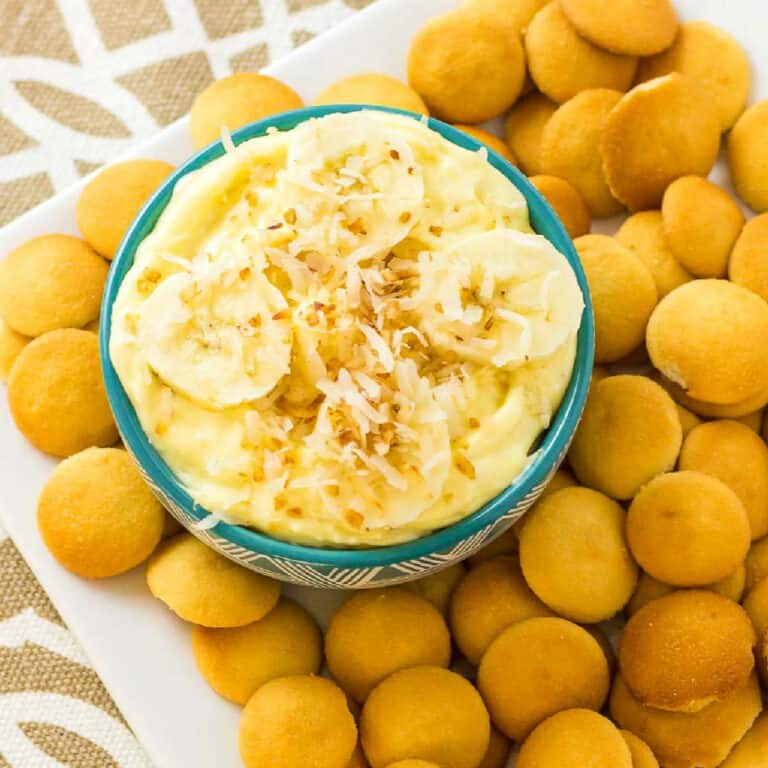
<point>100,71</point>
<point>86,720</point>
<point>28,627</point>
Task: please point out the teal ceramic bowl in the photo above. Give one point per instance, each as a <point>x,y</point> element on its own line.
<point>352,568</point>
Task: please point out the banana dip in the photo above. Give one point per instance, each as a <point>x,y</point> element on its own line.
<point>346,334</point>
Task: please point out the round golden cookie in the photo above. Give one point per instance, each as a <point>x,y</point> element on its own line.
<point>756,606</point>
<point>757,562</point>
<point>490,598</point>
<point>566,202</point>
<point>463,83</point>
<point>708,336</point>
<point>575,557</point>
<point>514,15</point>
<point>237,100</point>
<point>753,420</point>
<point>642,756</point>
<point>738,410</point>
<point>635,27</point>
<point>360,654</point>
<point>425,712</point>
<point>498,751</point>
<point>524,127</point>
<point>688,419</point>
<point>413,764</point>
<point>96,514</point>
<point>575,738</point>
<point>298,720</point>
<point>643,234</point>
<point>750,411</point>
<point>752,750</point>
<point>490,140</point>
<point>623,295</point>
<point>748,156</point>
<point>538,667</point>
<point>629,433</point>
<point>111,200</point>
<point>438,587</point>
<point>661,130</point>
<point>561,479</point>
<point>507,543</point>
<point>204,587</point>
<point>56,393</point>
<point>748,265</point>
<point>373,88</point>
<point>714,58</point>
<point>50,282</point>
<point>11,344</point>
<point>562,63</point>
<point>647,589</point>
<point>570,147</point>
<point>687,649</point>
<point>237,661</point>
<point>731,586</point>
<point>733,453</point>
<point>688,529</point>
<point>701,225</point>
<point>683,740</point>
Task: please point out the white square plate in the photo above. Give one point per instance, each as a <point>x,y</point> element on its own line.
<point>139,649</point>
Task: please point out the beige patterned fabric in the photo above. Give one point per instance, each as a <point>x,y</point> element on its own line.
<point>80,81</point>
<point>54,711</point>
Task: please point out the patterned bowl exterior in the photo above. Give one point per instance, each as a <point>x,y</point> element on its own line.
<point>352,568</point>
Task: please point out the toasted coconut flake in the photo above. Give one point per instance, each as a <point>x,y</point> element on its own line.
<point>378,463</point>
<point>465,466</point>
<point>380,346</point>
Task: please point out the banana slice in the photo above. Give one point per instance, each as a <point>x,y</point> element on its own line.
<point>323,336</point>
<point>380,446</point>
<point>219,338</point>
<point>356,182</point>
<point>503,298</point>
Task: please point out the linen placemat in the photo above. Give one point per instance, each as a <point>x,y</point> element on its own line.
<point>80,81</point>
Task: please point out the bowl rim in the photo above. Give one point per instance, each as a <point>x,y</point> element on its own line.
<point>546,457</point>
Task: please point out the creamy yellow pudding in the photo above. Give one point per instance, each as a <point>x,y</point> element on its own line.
<point>346,333</point>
